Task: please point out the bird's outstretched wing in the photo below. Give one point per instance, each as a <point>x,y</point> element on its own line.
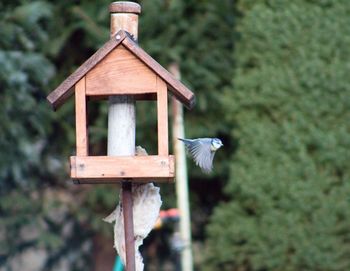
<point>201,153</point>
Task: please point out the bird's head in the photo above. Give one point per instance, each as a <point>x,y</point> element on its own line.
<point>216,144</point>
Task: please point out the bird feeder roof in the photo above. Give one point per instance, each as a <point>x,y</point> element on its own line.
<point>57,97</point>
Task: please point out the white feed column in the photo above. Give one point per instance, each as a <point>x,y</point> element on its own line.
<point>121,111</point>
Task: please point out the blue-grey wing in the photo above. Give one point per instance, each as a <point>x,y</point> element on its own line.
<point>200,150</point>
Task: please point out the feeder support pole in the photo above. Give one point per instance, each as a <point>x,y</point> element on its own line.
<point>121,122</point>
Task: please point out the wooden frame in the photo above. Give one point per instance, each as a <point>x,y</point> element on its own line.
<point>121,67</point>
<point>93,169</point>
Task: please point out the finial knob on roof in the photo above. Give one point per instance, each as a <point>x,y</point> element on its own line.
<point>124,7</point>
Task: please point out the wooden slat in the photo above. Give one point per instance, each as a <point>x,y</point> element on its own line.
<point>118,180</point>
<point>137,97</point>
<point>57,97</point>
<point>180,91</point>
<point>117,168</point>
<point>82,142</point>
<point>162,115</point>
<point>120,72</point>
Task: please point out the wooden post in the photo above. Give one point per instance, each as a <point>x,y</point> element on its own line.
<point>181,179</point>
<point>81,134</point>
<point>121,122</point>
<point>162,116</point>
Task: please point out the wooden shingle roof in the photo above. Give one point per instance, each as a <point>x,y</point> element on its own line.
<point>57,97</point>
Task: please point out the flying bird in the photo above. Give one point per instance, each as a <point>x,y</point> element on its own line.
<point>202,151</point>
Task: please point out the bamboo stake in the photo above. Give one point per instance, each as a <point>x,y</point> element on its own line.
<point>181,179</point>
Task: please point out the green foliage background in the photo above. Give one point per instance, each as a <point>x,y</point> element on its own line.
<point>289,179</point>
<point>271,79</point>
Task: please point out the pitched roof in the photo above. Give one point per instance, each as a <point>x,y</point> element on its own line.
<point>57,97</point>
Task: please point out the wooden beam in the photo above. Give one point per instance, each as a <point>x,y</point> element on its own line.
<point>82,141</point>
<point>162,113</point>
<point>119,168</point>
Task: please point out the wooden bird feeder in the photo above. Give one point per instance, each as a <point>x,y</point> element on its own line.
<point>121,67</point>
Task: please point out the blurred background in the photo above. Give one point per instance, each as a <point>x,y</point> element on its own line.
<point>272,80</point>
